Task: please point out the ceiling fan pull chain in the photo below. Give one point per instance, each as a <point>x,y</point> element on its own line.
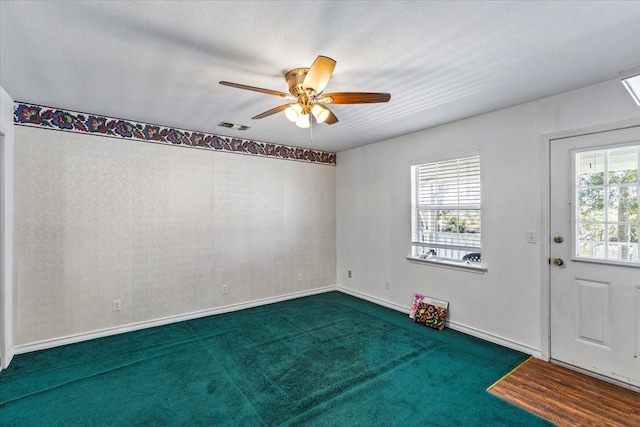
<point>311,128</point>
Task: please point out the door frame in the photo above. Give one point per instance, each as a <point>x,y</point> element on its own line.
<point>3,303</point>
<point>6,285</point>
<point>545,243</point>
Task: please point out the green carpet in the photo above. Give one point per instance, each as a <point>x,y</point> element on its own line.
<point>324,360</point>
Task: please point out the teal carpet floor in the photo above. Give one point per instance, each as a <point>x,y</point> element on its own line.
<point>324,360</point>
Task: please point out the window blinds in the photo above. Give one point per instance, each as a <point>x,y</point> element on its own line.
<point>446,205</point>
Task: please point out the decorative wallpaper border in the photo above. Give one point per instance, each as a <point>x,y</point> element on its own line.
<point>72,121</point>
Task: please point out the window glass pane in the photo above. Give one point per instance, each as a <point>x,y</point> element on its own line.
<point>634,249</point>
<point>591,168</point>
<point>623,165</point>
<point>623,242</point>
<point>469,221</point>
<point>607,203</point>
<point>623,204</point>
<point>470,257</point>
<point>591,204</point>
<point>591,240</point>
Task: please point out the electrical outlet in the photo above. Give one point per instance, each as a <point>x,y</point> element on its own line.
<point>299,277</point>
<point>386,285</point>
<point>225,289</point>
<point>349,274</point>
<point>116,305</point>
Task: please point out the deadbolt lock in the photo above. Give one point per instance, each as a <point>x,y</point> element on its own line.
<point>558,239</point>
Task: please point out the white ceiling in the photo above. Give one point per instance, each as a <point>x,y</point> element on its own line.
<point>160,62</point>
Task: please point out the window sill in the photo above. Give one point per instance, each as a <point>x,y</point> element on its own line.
<point>462,266</point>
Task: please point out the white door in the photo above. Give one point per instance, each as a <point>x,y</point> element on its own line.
<point>595,266</point>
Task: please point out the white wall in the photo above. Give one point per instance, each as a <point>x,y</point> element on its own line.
<point>6,193</point>
<point>161,228</point>
<point>373,213</point>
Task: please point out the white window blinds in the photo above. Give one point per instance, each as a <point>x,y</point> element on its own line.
<point>446,208</point>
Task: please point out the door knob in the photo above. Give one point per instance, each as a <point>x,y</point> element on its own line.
<point>558,262</point>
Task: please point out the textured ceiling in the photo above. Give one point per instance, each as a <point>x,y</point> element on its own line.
<point>160,62</point>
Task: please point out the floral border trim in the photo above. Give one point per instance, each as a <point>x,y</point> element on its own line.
<point>71,121</point>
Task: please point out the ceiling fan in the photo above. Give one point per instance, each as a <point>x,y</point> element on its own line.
<point>305,92</point>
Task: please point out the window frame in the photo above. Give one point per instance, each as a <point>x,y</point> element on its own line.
<point>415,208</point>
<point>575,229</point>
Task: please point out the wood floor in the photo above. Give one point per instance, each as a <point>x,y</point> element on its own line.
<point>568,398</point>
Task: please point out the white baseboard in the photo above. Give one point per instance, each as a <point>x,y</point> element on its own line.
<point>71,339</point>
<point>496,339</point>
<point>374,300</point>
<point>505,342</point>
<point>6,359</point>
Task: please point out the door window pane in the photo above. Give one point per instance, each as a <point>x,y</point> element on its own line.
<point>606,203</point>
<point>591,204</point>
<point>591,240</point>
<point>623,204</point>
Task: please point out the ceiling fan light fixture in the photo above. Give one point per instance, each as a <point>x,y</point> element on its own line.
<point>320,113</point>
<point>293,112</point>
<point>631,80</point>
<point>303,121</point>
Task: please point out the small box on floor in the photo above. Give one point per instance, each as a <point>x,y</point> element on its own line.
<point>429,311</point>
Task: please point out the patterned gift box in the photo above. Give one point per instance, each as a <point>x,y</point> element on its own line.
<point>429,311</point>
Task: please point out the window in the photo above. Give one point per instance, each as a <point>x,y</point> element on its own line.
<point>446,210</point>
<point>607,191</point>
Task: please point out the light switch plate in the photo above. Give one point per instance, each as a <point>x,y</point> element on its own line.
<point>531,236</point>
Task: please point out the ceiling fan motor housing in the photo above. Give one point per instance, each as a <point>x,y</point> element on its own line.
<point>294,79</point>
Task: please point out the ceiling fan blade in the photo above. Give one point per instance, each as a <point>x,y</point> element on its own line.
<point>331,119</point>
<point>256,89</point>
<point>354,97</point>
<point>319,74</point>
<point>271,111</point>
